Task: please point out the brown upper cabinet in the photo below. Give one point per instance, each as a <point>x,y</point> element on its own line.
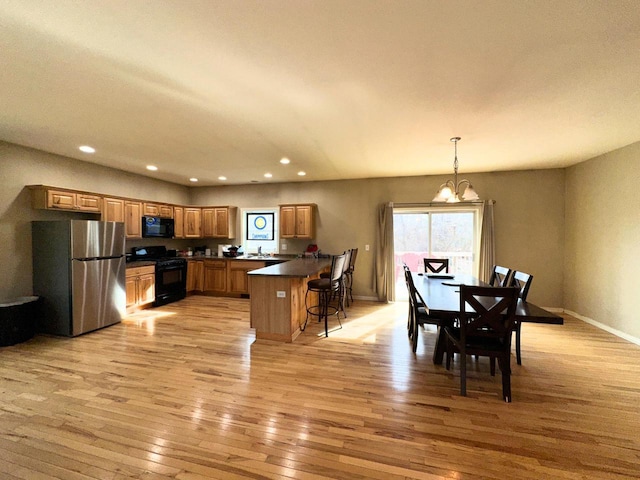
<point>178,220</point>
<point>189,222</point>
<point>192,222</point>
<point>157,210</point>
<point>133,218</point>
<point>297,221</point>
<point>112,209</point>
<point>219,222</point>
<point>61,199</point>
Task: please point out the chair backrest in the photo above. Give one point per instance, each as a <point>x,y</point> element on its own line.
<point>415,299</point>
<point>352,259</point>
<point>492,312</point>
<point>337,268</point>
<point>500,277</point>
<point>347,260</point>
<point>523,282</point>
<point>436,265</point>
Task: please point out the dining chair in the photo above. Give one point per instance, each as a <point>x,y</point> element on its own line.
<point>436,265</point>
<point>522,281</point>
<point>487,316</point>
<point>419,314</point>
<point>350,270</point>
<point>500,276</point>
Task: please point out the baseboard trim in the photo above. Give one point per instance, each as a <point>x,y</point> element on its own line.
<point>369,299</point>
<point>604,327</point>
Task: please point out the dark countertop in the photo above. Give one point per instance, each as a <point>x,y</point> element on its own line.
<point>267,258</point>
<point>299,267</point>
<point>140,263</point>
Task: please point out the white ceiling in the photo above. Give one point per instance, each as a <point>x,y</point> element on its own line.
<point>343,88</point>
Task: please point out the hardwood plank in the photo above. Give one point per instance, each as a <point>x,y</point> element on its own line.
<point>184,391</point>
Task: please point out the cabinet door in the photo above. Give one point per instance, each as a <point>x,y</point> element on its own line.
<point>131,286</point>
<point>215,276</point>
<point>304,221</point>
<point>195,271</point>
<point>133,219</point>
<point>192,218</point>
<point>178,222</point>
<point>151,209</point>
<point>146,288</point>
<point>61,200</point>
<point>287,222</point>
<point>208,222</point>
<point>165,211</point>
<point>221,222</point>
<point>112,209</point>
<point>88,203</point>
<point>238,278</point>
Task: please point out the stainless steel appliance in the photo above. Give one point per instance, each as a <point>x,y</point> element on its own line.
<point>171,272</point>
<point>157,227</point>
<point>79,271</point>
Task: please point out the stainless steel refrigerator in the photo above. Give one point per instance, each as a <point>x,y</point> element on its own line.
<point>79,271</point>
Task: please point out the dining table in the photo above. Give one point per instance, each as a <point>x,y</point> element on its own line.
<point>441,293</point>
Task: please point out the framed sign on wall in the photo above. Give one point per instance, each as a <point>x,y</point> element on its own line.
<point>260,226</point>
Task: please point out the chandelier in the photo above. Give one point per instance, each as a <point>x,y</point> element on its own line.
<point>450,190</point>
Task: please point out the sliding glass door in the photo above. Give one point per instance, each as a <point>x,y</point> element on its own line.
<point>435,232</point>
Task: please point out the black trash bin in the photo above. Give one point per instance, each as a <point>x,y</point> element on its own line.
<point>18,320</point>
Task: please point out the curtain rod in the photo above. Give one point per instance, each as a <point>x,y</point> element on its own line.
<point>439,204</point>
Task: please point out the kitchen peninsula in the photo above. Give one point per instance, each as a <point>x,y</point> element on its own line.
<point>277,306</point>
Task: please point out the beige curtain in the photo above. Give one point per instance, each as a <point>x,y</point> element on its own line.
<point>383,278</point>
<point>487,241</point>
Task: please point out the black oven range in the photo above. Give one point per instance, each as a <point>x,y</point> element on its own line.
<point>171,272</point>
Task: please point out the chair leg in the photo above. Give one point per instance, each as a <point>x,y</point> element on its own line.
<point>414,338</point>
<point>518,356</point>
<point>449,354</point>
<point>326,314</point>
<point>505,367</point>
<point>492,364</point>
<point>463,373</point>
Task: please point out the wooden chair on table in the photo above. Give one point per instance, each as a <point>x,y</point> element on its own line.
<point>418,311</point>
<point>436,265</point>
<point>522,281</point>
<point>500,277</point>
<point>487,316</point>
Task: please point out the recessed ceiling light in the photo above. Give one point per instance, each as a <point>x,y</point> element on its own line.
<point>301,173</point>
<point>284,161</point>
<point>267,175</point>
<point>87,149</point>
<point>193,179</point>
<point>222,177</point>
<point>153,168</point>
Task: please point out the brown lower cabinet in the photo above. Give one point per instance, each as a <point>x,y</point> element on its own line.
<point>215,276</point>
<point>140,286</point>
<point>220,276</point>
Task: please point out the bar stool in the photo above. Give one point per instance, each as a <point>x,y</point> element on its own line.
<point>342,294</point>
<point>326,288</point>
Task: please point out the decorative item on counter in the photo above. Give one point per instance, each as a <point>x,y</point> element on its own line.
<point>207,252</point>
<point>232,251</point>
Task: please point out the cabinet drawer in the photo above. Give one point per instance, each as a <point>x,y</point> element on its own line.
<point>136,271</point>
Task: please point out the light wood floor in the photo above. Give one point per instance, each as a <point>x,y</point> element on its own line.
<point>183,392</point>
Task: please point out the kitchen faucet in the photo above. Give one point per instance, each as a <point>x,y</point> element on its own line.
<point>259,250</point>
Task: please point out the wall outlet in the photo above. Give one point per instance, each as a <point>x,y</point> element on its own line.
<point>281,294</point>
<point>366,247</point>
<point>283,246</point>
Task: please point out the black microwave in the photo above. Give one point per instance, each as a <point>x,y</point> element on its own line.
<point>157,227</point>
